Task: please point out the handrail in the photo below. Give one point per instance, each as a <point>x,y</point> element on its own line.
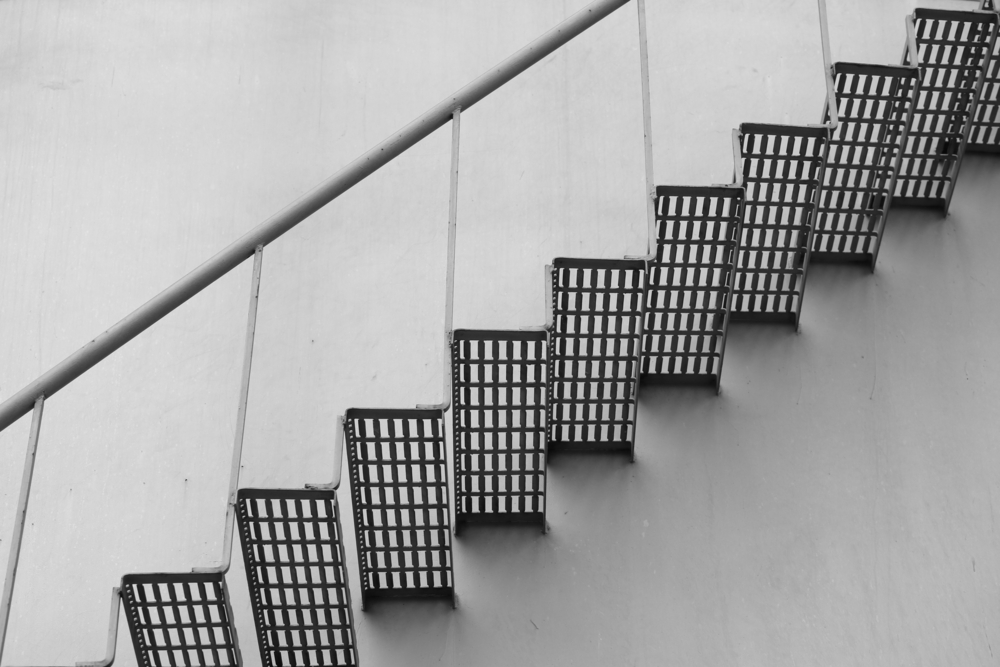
<point>232,256</point>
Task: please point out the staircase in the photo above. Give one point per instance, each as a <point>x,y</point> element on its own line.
<point>736,252</point>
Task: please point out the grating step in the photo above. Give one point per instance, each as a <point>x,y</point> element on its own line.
<point>597,307</point>
<point>180,619</point>
<point>953,48</point>
<point>294,555</point>
<point>985,134</point>
<point>875,104</point>
<point>782,171</point>
<point>399,486</point>
<point>500,382</point>
<point>690,284</point>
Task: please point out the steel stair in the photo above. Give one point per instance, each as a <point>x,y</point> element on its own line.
<point>953,50</point>
<point>402,518</point>
<point>597,308</point>
<point>690,284</point>
<point>985,134</point>
<point>500,391</point>
<point>180,619</point>
<point>293,553</point>
<point>782,172</point>
<point>735,252</point>
<point>875,106</point>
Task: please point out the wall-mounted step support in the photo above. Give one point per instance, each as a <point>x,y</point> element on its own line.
<point>399,487</point>
<point>954,50</point>
<point>690,284</point>
<point>180,619</point>
<point>293,550</point>
<point>594,355</point>
<point>985,134</point>
<point>782,172</point>
<point>875,105</point>
<point>499,386</point>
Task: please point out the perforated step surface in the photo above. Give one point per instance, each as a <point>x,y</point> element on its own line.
<point>874,103</point>
<point>690,284</point>
<point>500,382</point>
<point>293,551</point>
<point>952,48</point>
<point>985,134</point>
<point>782,171</point>
<point>179,619</point>
<point>597,307</point>
<point>399,487</point>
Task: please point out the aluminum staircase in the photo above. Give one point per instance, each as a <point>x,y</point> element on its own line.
<point>985,134</point>
<point>597,306</point>
<point>782,172</point>
<point>954,50</point>
<point>690,284</point>
<point>293,553</point>
<point>180,619</point>
<point>499,426</point>
<point>876,106</point>
<point>737,252</point>
<point>402,518</point>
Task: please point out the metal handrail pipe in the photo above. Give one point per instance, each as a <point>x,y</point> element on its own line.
<point>225,261</point>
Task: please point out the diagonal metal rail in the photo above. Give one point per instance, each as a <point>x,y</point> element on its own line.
<point>225,261</point>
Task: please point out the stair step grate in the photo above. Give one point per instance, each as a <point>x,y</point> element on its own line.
<point>985,134</point>
<point>293,550</point>
<point>180,619</point>
<point>875,105</point>
<point>690,284</point>
<point>597,308</point>
<point>782,172</point>
<point>952,48</point>
<point>399,487</point>
<point>500,382</point>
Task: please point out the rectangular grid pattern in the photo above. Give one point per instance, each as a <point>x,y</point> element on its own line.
<point>782,173</point>
<point>180,619</point>
<point>690,284</point>
<point>953,48</point>
<point>985,134</point>
<point>499,381</point>
<point>597,307</point>
<point>399,486</point>
<point>875,103</point>
<point>294,555</point>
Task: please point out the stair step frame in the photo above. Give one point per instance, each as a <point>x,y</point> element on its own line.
<point>953,48</point>
<point>399,487</point>
<point>180,619</point>
<point>985,134</point>
<point>499,398</point>
<point>690,284</point>
<point>293,552</point>
<point>875,106</point>
<point>594,353</point>
<point>782,173</point>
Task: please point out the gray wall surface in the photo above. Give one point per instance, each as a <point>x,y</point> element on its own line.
<point>832,507</point>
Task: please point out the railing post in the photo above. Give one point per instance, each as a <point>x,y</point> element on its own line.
<point>449,288</point>
<point>647,130</point>
<point>241,419</point>
<point>831,91</point>
<point>22,511</point>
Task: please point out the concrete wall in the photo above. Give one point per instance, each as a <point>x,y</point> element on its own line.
<point>832,506</point>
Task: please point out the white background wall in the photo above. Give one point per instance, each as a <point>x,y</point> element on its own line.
<point>832,506</point>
